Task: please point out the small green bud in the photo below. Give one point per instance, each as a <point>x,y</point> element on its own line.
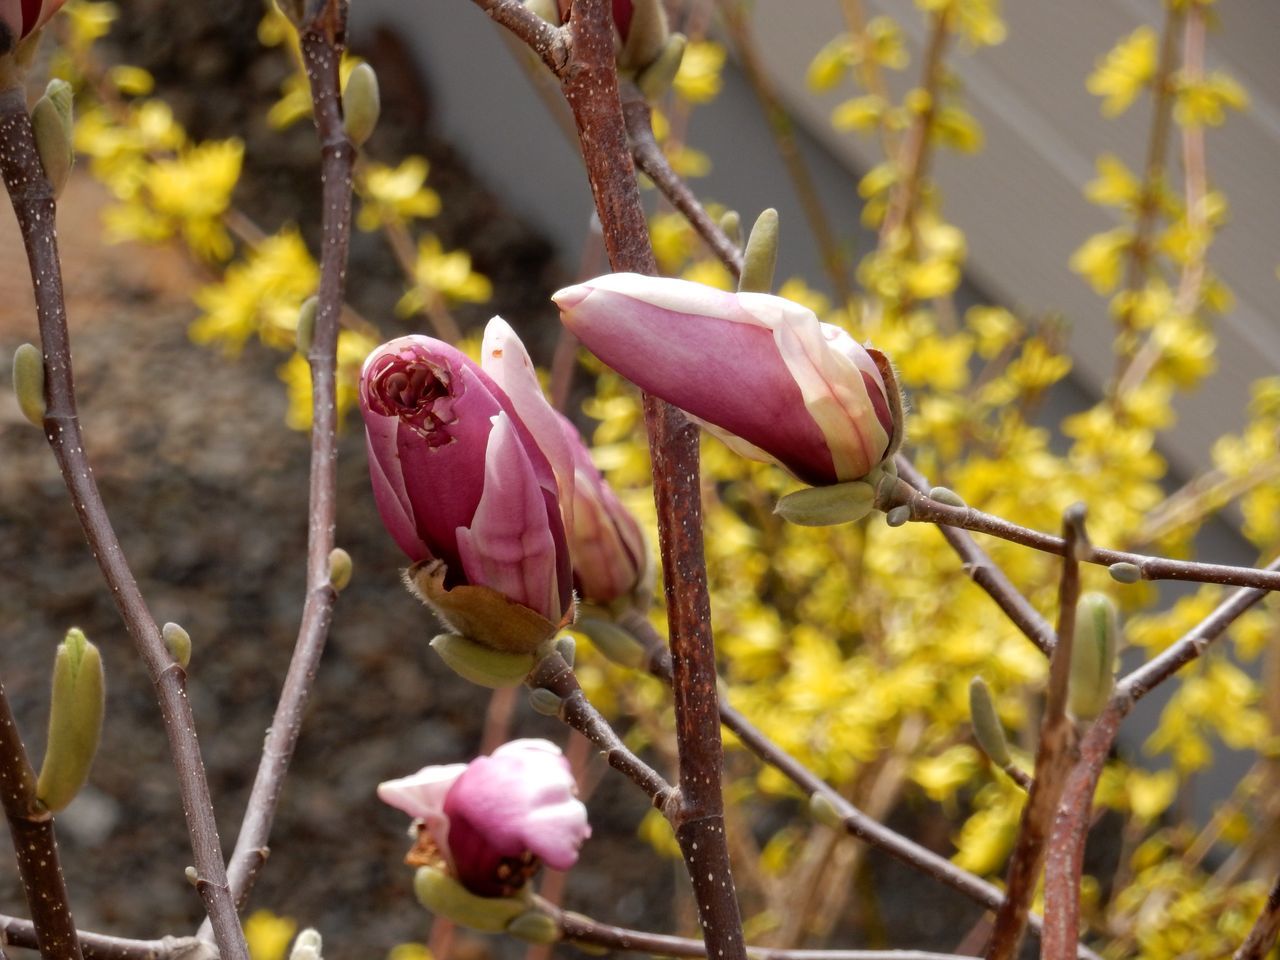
<point>567,648</point>
<point>28,382</point>
<point>614,642</point>
<point>339,569</point>
<point>545,702</point>
<point>947,495</point>
<point>761,256</point>
<point>308,938</point>
<point>445,897</point>
<point>361,104</point>
<point>534,926</point>
<point>824,811</point>
<point>51,120</point>
<point>179,643</point>
<point>1093,655</point>
<point>987,729</point>
<point>646,36</point>
<point>192,875</point>
<point>75,721</point>
<point>731,224</point>
<point>827,506</point>
<point>306,325</point>
<point>897,516</point>
<point>480,664</point>
<point>1125,572</point>
<point>655,80</point>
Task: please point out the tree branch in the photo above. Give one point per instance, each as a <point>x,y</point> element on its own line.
<point>36,212</point>
<point>98,946</point>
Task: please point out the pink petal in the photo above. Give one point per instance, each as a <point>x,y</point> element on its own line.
<point>422,797</point>
<point>696,347</point>
<point>509,544</point>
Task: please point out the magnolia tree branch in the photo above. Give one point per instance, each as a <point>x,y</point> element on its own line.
<point>589,81</point>
<point>1065,863</point>
<point>322,44</point>
<point>34,205</point>
<point>1263,935</point>
<point>1053,760</point>
<point>853,820</point>
<point>97,946</point>
<point>35,846</point>
<point>927,510</point>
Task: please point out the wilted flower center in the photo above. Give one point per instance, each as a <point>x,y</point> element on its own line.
<point>415,390</point>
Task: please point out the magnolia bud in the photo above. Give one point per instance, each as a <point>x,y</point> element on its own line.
<point>567,647</point>
<point>51,120</point>
<point>824,811</point>
<point>445,897</point>
<point>614,642</point>
<point>948,496</point>
<point>75,721</point>
<point>656,79</point>
<point>731,224</point>
<point>644,33</point>
<point>307,945</point>
<point>28,382</point>
<point>534,926</point>
<point>987,729</point>
<point>1125,572</point>
<point>179,643</point>
<point>306,325</point>
<point>1093,655</point>
<point>482,664</point>
<point>827,506</point>
<point>898,515</point>
<point>761,256</point>
<point>545,702</point>
<point>339,569</point>
<point>361,104</point>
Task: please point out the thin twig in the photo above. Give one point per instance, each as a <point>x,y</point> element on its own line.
<point>1053,759</point>
<point>579,929</point>
<point>36,212</point>
<point>783,131</point>
<point>1262,937</point>
<point>322,43</point>
<point>35,845</point>
<point>926,510</point>
<point>554,673</point>
<point>855,821</point>
<point>98,946</point>
<point>548,42</point>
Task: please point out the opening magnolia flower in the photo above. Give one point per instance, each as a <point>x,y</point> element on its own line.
<point>760,372</point>
<point>19,18</point>
<point>492,822</point>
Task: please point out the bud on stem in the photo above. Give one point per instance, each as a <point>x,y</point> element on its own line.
<point>28,382</point>
<point>75,721</point>
<point>179,643</point>
<point>51,119</point>
<point>361,104</point>
<point>987,729</point>
<point>1093,655</point>
<point>761,256</point>
<point>445,897</point>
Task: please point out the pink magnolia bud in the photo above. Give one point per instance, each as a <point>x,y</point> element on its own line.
<point>458,477</point>
<point>19,18</point>
<point>760,372</point>
<point>609,556</point>
<point>493,821</point>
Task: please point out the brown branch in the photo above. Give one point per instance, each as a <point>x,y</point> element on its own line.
<point>35,846</point>
<point>783,131</point>
<point>856,822</point>
<point>98,946</point>
<point>36,212</point>
<point>554,673</point>
<point>650,159</point>
<point>1053,760</point>
<point>1262,937</point>
<point>322,45</point>
<point>926,510</point>
<point>548,42</point>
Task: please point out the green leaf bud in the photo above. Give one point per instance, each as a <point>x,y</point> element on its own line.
<point>644,37</point>
<point>567,648</point>
<point>614,642</point>
<point>534,926</point>
<point>51,120</point>
<point>306,325</point>
<point>339,569</point>
<point>827,506</point>
<point>655,80</point>
<point>75,721</point>
<point>545,702</point>
<point>731,224</point>
<point>481,664</point>
<point>987,729</point>
<point>897,516</point>
<point>179,643</point>
<point>361,104</point>
<point>761,256</point>
<point>1125,572</point>
<point>1093,655</point>
<point>824,811</point>
<point>947,495</point>
<point>192,875</point>
<point>28,382</point>
<point>307,939</point>
<point>445,897</point>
